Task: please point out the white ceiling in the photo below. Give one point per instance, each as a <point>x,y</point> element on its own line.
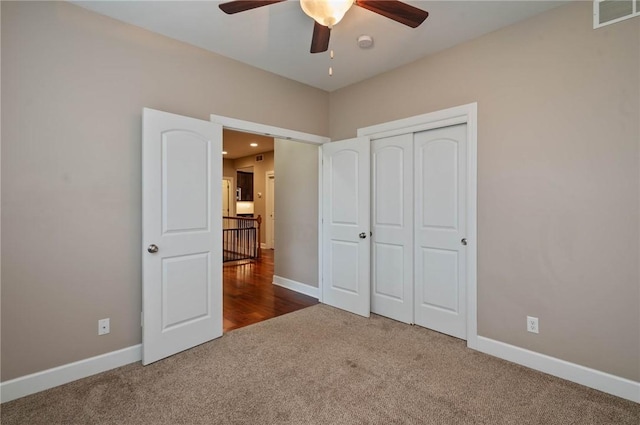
<point>277,38</point>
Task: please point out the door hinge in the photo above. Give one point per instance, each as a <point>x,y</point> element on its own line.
<point>142,319</point>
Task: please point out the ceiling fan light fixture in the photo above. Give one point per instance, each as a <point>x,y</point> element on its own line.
<point>326,12</point>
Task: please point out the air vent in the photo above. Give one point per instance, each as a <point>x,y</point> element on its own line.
<point>607,12</point>
<point>259,158</point>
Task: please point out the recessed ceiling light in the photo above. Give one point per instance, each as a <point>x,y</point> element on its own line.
<point>254,145</point>
<point>224,152</point>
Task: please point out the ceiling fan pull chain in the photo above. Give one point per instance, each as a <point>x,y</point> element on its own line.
<point>330,67</point>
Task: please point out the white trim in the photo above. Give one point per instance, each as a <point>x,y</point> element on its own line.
<point>267,130</point>
<point>472,224</point>
<point>457,115</point>
<point>437,119</point>
<point>263,245</point>
<point>591,378</point>
<point>302,288</point>
<point>320,223</point>
<point>611,384</point>
<point>40,381</point>
<point>283,133</point>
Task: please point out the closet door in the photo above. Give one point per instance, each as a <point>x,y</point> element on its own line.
<point>440,226</point>
<point>392,226</point>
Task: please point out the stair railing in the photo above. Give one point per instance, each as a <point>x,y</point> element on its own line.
<point>240,238</point>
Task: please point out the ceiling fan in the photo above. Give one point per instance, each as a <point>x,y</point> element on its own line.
<point>327,13</point>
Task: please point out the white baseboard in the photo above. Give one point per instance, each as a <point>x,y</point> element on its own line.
<point>40,381</point>
<point>263,245</point>
<point>302,288</point>
<point>611,384</point>
<point>591,378</point>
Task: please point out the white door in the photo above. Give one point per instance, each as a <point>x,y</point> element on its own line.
<point>345,227</point>
<point>392,224</point>
<point>271,215</point>
<point>440,227</point>
<point>181,233</point>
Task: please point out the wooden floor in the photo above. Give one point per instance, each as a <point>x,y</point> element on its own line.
<point>251,297</point>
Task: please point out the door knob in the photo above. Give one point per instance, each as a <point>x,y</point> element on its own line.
<point>362,235</point>
<point>463,241</point>
<point>152,248</point>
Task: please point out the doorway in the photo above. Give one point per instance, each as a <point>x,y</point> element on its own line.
<point>228,198</point>
<point>249,292</point>
<point>270,221</point>
<point>185,234</point>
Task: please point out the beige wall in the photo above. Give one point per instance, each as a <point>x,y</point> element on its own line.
<point>229,169</point>
<point>73,87</point>
<point>558,182</point>
<point>558,176</point>
<point>259,184</point>
<point>296,211</point>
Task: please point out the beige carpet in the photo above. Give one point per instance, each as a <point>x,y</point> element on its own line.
<point>324,366</point>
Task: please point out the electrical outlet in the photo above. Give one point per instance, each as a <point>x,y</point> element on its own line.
<point>104,326</point>
<point>532,324</point>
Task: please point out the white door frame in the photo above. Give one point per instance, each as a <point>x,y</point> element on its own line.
<point>286,134</point>
<point>457,115</point>
<point>269,198</point>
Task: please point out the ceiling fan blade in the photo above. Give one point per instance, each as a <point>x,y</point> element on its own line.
<point>320,40</point>
<point>396,10</point>
<point>232,7</point>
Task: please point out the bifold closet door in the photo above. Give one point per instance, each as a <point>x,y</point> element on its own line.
<point>439,229</point>
<point>392,227</point>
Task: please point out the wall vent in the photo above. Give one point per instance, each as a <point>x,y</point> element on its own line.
<point>607,12</point>
<point>261,158</point>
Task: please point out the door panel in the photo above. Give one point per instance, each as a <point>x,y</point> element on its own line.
<point>185,182</point>
<point>346,207</point>
<point>440,279</point>
<point>392,226</point>
<point>185,289</point>
<point>388,271</point>
<point>439,160</point>
<point>344,188</point>
<point>344,266</point>
<point>182,281</point>
<point>440,205</point>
